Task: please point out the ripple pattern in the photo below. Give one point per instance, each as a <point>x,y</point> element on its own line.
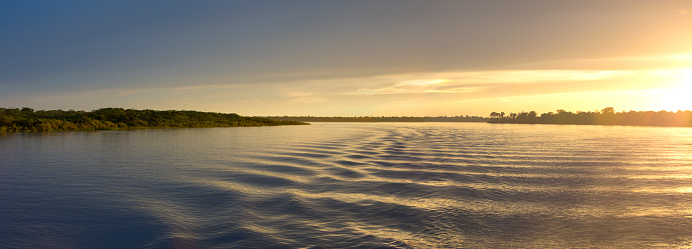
<point>371,186</point>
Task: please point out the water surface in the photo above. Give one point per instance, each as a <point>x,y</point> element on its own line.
<point>335,185</point>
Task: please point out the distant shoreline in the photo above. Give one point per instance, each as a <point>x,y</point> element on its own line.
<point>29,120</point>
<point>368,119</point>
<point>607,116</point>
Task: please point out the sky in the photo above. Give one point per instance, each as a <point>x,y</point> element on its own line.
<point>347,58</point>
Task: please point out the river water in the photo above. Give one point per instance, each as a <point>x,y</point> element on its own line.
<point>349,185</point>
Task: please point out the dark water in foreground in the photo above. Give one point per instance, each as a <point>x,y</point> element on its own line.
<point>336,185</point>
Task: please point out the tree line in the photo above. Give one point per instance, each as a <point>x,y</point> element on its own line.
<point>466,118</point>
<point>27,119</point>
<point>606,116</point>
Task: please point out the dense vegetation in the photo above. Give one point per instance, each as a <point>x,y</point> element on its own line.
<point>607,116</point>
<point>384,119</point>
<point>26,119</point>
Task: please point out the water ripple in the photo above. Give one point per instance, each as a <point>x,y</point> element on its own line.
<point>350,186</point>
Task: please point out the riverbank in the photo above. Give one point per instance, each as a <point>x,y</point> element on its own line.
<point>607,116</point>
<point>29,120</point>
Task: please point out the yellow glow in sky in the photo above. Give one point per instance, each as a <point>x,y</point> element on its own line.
<point>680,96</point>
<point>350,58</point>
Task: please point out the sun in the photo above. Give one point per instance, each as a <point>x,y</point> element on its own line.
<point>680,96</point>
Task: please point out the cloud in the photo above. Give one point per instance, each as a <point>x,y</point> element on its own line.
<point>525,76</point>
<point>304,97</point>
<point>629,63</point>
<point>309,100</point>
<point>681,11</point>
<point>476,81</point>
<point>410,86</point>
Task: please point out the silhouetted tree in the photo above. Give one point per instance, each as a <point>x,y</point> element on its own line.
<point>606,116</point>
<point>608,111</point>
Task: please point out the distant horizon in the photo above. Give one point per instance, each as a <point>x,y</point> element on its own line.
<point>353,116</point>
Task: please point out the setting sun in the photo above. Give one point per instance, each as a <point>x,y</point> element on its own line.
<point>678,97</point>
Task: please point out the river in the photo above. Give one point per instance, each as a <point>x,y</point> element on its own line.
<point>349,185</point>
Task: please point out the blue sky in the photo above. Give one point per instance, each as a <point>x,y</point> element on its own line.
<point>385,57</point>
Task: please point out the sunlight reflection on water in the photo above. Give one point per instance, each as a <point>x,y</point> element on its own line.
<point>398,185</point>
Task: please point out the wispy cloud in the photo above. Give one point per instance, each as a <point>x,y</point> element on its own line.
<point>657,58</point>
<point>466,82</point>
<point>309,100</point>
<point>305,97</point>
<point>629,63</point>
<point>681,11</point>
<point>410,86</point>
